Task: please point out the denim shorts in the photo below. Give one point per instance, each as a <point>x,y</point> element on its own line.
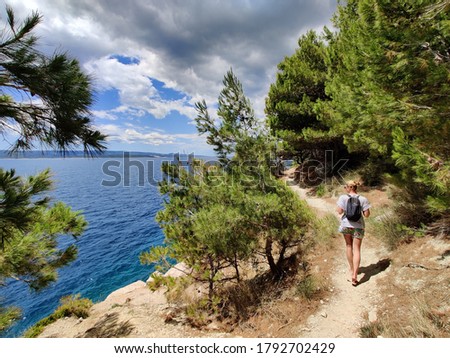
<point>356,233</point>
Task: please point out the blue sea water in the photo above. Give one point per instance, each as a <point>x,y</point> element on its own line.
<point>120,203</point>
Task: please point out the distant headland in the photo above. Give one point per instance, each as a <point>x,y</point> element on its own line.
<point>79,154</point>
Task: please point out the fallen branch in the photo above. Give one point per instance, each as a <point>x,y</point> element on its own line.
<point>413,265</point>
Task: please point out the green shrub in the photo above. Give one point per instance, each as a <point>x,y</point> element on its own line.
<point>198,313</point>
<point>320,190</point>
<point>7,316</point>
<point>372,172</point>
<point>307,287</point>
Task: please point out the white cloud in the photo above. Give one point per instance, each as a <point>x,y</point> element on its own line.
<point>153,138</point>
<point>136,91</point>
<point>104,115</point>
<point>132,134</point>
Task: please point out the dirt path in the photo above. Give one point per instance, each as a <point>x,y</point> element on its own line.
<point>349,307</point>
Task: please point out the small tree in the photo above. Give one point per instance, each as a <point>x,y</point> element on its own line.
<point>29,227</point>
<point>282,221</point>
<point>236,119</point>
<point>217,216</point>
<point>203,224</point>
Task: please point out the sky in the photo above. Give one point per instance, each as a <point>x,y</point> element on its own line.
<point>152,60</point>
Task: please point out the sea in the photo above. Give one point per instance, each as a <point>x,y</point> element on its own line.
<point>119,198</point>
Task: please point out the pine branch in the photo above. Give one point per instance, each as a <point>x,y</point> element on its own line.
<point>435,9</point>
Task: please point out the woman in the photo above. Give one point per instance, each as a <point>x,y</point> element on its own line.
<point>353,231</point>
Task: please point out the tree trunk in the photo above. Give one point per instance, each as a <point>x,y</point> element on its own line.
<point>212,273</point>
<point>236,267</point>
<point>281,257</point>
<point>274,269</point>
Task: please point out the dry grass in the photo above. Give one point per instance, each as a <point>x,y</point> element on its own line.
<point>261,307</point>
<point>280,313</point>
<point>325,231</point>
<point>109,327</point>
<point>416,295</point>
<point>70,306</point>
<point>419,320</point>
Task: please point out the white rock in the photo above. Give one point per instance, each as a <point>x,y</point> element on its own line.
<point>151,279</point>
<point>178,270</point>
<point>324,314</point>
<point>373,316</point>
<point>213,326</point>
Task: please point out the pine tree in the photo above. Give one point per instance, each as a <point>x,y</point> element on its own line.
<point>203,223</point>
<point>294,103</point>
<point>29,228</point>
<point>236,119</point>
<point>388,78</point>
<point>58,94</point>
<point>217,216</point>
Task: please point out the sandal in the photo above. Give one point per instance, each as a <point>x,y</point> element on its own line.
<point>354,282</point>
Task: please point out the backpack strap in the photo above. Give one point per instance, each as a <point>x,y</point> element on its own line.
<point>357,196</point>
<point>343,215</point>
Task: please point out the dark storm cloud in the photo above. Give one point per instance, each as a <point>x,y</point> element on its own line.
<point>204,37</point>
<point>192,31</point>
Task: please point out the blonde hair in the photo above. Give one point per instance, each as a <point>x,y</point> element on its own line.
<point>353,184</point>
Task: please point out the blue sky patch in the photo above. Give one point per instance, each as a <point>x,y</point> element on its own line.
<point>165,92</point>
<point>106,100</point>
<point>126,60</point>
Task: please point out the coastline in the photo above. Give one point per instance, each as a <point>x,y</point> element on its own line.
<point>133,311</point>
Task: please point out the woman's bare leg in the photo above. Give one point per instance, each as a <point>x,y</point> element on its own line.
<point>356,257</point>
<point>349,252</point>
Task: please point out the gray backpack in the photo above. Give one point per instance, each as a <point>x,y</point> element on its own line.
<point>353,211</point>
